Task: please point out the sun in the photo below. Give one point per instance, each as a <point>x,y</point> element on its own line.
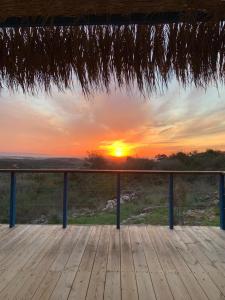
<point>117,149</point>
<point>118,152</point>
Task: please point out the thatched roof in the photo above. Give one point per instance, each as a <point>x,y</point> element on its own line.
<point>105,11</point>
<point>181,38</point>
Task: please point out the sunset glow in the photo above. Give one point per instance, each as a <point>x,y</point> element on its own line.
<point>116,125</point>
<point>118,149</point>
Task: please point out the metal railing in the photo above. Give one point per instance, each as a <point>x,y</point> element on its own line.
<point>118,173</point>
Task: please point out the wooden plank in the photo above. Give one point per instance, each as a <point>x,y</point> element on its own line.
<point>87,260</point>
<point>161,287</point>
<point>81,282</point>
<point>159,281</point>
<point>149,250</point>
<point>164,259</point>
<point>11,232</point>
<point>113,263</point>
<point>185,237</point>
<point>206,245</point>
<point>215,239</point>
<point>40,268</point>
<point>185,273</point>
<point>177,287</point>
<point>4,229</point>
<point>145,287</point>
<point>129,286</point>
<point>47,286</point>
<point>70,238</point>
<point>58,264</point>
<point>219,263</point>
<point>210,289</point>
<point>141,280</point>
<point>77,264</point>
<point>65,282</point>
<point>51,244</point>
<point>13,244</point>
<point>77,252</point>
<point>80,285</point>
<point>218,231</point>
<point>140,263</point>
<point>112,286</point>
<point>127,263</point>
<point>14,272</point>
<point>20,258</point>
<point>97,281</point>
<point>208,265</point>
<point>13,236</point>
<point>96,286</point>
<point>24,281</point>
<point>174,280</point>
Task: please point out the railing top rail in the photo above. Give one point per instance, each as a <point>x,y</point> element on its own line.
<point>111,171</point>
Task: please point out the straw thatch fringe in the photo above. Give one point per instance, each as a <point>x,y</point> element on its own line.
<point>39,58</point>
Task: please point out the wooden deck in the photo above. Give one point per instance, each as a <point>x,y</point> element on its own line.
<point>100,262</point>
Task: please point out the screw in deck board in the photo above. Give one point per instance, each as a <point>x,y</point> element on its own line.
<point>118,201</point>
<point>12,209</point>
<point>65,200</point>
<point>171,204</point>
<point>222,202</point>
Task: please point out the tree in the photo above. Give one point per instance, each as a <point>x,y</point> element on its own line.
<point>95,161</point>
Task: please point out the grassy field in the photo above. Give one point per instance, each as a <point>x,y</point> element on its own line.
<point>39,199</point>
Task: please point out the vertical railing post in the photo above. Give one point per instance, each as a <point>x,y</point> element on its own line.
<point>171,204</point>
<point>12,209</point>
<point>65,200</point>
<point>118,201</point>
<point>222,202</point>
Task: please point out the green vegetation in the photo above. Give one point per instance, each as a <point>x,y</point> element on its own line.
<point>39,196</point>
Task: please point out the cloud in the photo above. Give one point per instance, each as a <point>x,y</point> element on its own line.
<point>68,124</point>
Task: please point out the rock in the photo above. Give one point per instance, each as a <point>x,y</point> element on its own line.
<point>110,205</point>
<point>125,198</point>
<point>42,220</point>
<point>83,212</point>
<point>141,215</point>
<point>147,209</point>
<point>198,214</point>
<point>215,202</point>
<point>133,195</point>
<point>193,213</point>
<point>135,218</point>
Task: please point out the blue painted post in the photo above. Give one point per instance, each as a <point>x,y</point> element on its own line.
<point>171,208</point>
<point>12,209</point>
<point>222,202</point>
<point>65,200</point>
<point>118,202</point>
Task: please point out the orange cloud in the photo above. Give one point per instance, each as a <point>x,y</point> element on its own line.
<point>68,125</point>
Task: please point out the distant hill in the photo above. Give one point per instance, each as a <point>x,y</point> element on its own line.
<point>39,162</point>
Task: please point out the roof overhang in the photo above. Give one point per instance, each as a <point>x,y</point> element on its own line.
<point>14,13</point>
<point>44,43</point>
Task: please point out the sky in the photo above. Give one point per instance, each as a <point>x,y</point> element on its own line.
<point>120,123</point>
